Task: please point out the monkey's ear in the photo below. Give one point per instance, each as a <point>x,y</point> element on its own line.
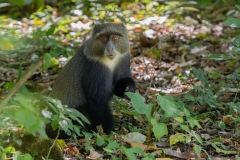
<point>124,85</point>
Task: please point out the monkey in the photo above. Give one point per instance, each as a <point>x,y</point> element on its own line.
<point>99,69</point>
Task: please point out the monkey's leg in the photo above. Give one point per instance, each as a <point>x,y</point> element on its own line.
<point>101,115</point>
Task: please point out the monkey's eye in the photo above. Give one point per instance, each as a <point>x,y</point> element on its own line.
<point>115,38</point>
<point>104,38</point>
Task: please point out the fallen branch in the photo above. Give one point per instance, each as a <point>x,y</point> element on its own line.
<point>20,83</point>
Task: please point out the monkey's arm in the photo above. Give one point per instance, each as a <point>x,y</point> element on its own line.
<point>124,85</point>
<point>123,81</point>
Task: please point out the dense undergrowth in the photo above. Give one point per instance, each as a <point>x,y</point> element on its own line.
<point>199,119</point>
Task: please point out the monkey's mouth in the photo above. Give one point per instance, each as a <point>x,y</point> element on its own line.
<point>111,56</point>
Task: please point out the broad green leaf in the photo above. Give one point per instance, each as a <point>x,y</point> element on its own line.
<point>179,119</point>
<point>188,139</point>
<point>26,103</point>
<point>61,143</point>
<point>76,119</point>
<point>9,149</point>
<point>238,6</point>
<point>197,149</point>
<point>64,124</point>
<point>168,106</point>
<point>51,30</point>
<point>134,137</point>
<point>76,129</point>
<point>76,113</point>
<point>137,150</point>
<point>219,57</point>
<point>25,117</point>
<point>159,129</point>
<point>199,139</point>
<point>232,22</point>
<point>149,112</point>
<point>236,41</point>
<point>176,138</point>
<point>49,61</point>
<point>191,122</point>
<point>138,102</point>
<point>5,44</point>
<point>112,145</point>
<point>197,123</point>
<point>27,157</point>
<point>236,51</point>
<point>100,140</point>
<point>185,128</point>
<point>129,154</point>
<point>186,112</point>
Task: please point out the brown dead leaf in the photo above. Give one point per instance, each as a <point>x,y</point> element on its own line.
<point>144,146</point>
<point>227,119</point>
<point>184,155</point>
<point>227,141</point>
<point>72,151</point>
<point>100,129</point>
<point>93,155</point>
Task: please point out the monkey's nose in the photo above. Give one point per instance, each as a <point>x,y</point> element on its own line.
<point>110,49</point>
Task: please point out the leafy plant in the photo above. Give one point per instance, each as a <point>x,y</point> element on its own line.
<point>62,118</point>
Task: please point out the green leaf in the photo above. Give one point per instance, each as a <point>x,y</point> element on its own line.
<point>200,75</point>
<point>76,113</point>
<point>25,117</point>
<point>236,41</point>
<point>179,119</point>
<point>219,57</point>
<point>51,30</point>
<point>100,140</point>
<point>176,138</point>
<point>185,128</point>
<point>27,157</point>
<point>138,102</point>
<point>197,123</point>
<point>121,18</point>
<point>129,153</point>
<point>112,145</point>
<point>64,124</point>
<point>168,106</point>
<point>199,139</point>
<point>25,103</point>
<point>238,6</point>
<point>159,129</point>
<point>197,149</point>
<point>186,112</point>
<point>191,122</point>
<point>76,129</point>
<point>188,139</point>
<point>134,137</point>
<point>5,44</point>
<point>137,150</point>
<point>49,61</point>
<point>232,22</point>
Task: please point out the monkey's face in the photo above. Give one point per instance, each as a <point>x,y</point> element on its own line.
<point>110,40</point>
<point>109,43</point>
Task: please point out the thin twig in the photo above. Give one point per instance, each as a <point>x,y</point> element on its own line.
<point>54,142</point>
<point>20,83</point>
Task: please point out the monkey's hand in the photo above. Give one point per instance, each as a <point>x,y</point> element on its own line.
<point>124,85</point>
